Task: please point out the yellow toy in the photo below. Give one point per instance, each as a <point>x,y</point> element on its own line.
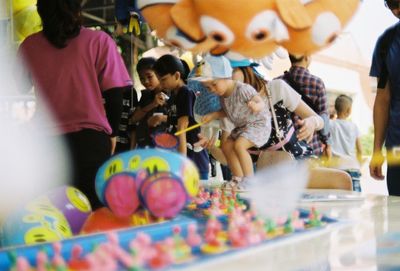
<point>19,5</point>
<point>26,18</point>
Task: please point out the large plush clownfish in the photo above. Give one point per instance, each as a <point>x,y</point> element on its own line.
<point>242,31</point>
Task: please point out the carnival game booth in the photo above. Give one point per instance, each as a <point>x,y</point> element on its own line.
<point>157,217</point>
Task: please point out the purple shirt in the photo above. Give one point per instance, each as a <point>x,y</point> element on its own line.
<point>71,79</point>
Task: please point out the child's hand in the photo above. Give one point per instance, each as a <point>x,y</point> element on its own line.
<point>256,104</point>
<point>156,120</point>
<point>307,129</point>
<point>207,118</point>
<point>204,142</point>
<point>159,99</point>
<point>253,106</point>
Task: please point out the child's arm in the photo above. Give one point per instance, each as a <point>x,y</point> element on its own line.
<point>359,150</point>
<point>156,120</point>
<point>256,104</point>
<point>140,112</point>
<point>213,116</point>
<point>310,122</point>
<point>183,123</point>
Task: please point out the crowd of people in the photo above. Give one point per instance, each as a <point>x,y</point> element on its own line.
<point>81,76</point>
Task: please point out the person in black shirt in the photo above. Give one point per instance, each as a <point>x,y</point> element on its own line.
<point>172,74</point>
<point>151,113</point>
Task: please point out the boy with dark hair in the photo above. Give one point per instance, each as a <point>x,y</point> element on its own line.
<point>151,113</point>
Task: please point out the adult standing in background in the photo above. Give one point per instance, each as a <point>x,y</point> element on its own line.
<point>312,90</point>
<point>386,67</point>
<point>71,67</point>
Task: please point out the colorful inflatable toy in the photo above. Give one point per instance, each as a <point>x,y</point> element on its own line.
<point>73,204</point>
<point>140,176</point>
<point>38,221</point>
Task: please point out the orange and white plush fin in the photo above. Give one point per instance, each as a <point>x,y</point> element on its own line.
<point>187,20</point>
<point>329,17</point>
<point>294,14</point>
<point>157,14</point>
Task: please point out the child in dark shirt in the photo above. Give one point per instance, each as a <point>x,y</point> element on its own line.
<point>172,75</point>
<point>151,113</point>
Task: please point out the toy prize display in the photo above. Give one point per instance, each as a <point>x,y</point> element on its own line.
<point>157,217</point>
<point>215,224</point>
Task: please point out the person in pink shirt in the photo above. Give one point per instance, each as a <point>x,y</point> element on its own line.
<point>73,69</point>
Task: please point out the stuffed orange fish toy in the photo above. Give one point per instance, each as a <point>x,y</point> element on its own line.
<point>242,30</point>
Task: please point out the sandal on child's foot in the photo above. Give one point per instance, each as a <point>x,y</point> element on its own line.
<point>235,184</point>
<point>227,185</point>
<point>240,186</point>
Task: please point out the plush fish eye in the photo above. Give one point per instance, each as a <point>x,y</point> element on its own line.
<point>177,38</point>
<point>217,30</point>
<point>325,29</point>
<point>266,25</point>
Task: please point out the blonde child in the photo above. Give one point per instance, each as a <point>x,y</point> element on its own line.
<point>346,142</point>
<point>245,109</point>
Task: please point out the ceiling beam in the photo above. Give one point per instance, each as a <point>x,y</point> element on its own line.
<point>93,17</point>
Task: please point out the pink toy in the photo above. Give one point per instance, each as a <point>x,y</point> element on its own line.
<point>22,264</point>
<point>58,261</point>
<point>101,259</point>
<point>193,238</point>
<point>142,248</point>
<point>75,262</point>
<point>124,257</point>
<point>163,195</point>
<point>41,261</point>
<point>161,259</point>
<point>236,238</point>
<point>121,195</point>
<point>213,228</point>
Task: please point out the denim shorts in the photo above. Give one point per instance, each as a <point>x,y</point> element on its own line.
<point>355,175</point>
